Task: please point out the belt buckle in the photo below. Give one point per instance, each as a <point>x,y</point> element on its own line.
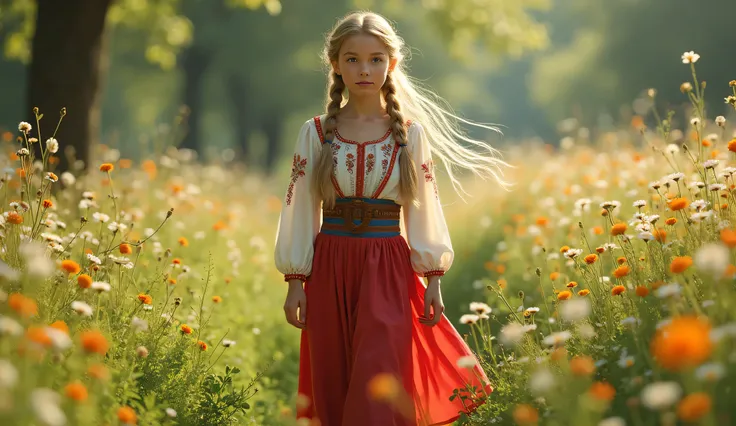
<point>357,205</point>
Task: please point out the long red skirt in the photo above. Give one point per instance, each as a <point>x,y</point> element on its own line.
<point>363,304</point>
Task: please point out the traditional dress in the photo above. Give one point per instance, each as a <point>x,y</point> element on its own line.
<point>364,294</point>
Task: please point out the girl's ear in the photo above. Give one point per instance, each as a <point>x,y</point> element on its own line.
<point>335,67</point>
<point>392,64</point>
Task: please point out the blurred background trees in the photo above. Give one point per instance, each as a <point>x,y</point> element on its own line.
<point>248,71</point>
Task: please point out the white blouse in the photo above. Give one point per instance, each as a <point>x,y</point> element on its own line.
<point>361,169</point>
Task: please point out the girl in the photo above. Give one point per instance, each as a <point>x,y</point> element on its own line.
<point>376,349</point>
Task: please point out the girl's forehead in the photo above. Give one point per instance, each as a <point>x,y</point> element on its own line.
<point>365,44</point>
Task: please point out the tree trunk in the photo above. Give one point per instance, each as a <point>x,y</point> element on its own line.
<point>241,121</point>
<point>65,73</point>
<point>272,126</point>
<point>195,62</point>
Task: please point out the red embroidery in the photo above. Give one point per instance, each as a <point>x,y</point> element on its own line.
<point>318,125</point>
<point>297,171</point>
<point>436,272</point>
<point>387,174</point>
<point>300,277</point>
<point>383,138</point>
<point>350,162</point>
<point>371,162</point>
<point>387,150</point>
<point>428,169</point>
<point>360,178</point>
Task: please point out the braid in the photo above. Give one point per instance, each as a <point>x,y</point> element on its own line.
<point>325,167</point>
<point>408,173</point>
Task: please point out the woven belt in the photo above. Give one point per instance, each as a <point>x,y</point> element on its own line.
<point>362,217</point>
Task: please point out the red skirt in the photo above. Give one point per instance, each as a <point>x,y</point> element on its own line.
<point>363,304</point>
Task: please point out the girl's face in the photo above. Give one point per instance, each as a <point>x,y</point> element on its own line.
<point>364,63</point>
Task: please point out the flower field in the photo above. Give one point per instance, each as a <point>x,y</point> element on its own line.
<point>600,293</point>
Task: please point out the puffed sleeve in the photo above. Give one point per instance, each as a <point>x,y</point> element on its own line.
<point>426,229</point>
<point>299,220</point>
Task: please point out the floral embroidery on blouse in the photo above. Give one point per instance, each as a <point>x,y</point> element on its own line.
<point>335,149</point>
<point>297,171</point>
<point>350,162</point>
<point>387,151</point>
<point>428,169</point>
<point>370,162</point>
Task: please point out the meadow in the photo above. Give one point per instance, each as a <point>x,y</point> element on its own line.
<point>598,291</point>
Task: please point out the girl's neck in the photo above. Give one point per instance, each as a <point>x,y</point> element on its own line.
<point>364,108</point>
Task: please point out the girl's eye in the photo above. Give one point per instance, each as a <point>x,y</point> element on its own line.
<point>377,59</point>
<point>351,59</point>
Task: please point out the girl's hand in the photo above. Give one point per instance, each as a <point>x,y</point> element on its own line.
<point>433,299</point>
<point>296,300</point>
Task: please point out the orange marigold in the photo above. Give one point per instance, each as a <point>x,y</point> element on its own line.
<point>582,365</point>
<point>554,275</point>
<point>572,284</point>
<point>216,299</point>
<point>683,343</point>
<point>617,290</point>
<point>525,414</point>
<point>621,271</point>
<point>183,242</point>
<point>591,258</point>
<point>680,264</point>
<point>94,342</point>
<point>621,260</point>
<point>732,145</point>
<point>202,345</point>
<point>48,204</point>
<point>84,281</point>
<point>98,371</point>
<point>599,250</point>
<point>61,326</point>
<point>642,291</point>
<point>678,203</point>
<point>618,229</point>
<point>564,295</point>
<point>563,249</point>
<point>38,335</point>
<point>106,167</point>
<point>176,261</point>
<point>22,305</point>
<point>76,391</point>
<point>185,329</point>
<point>694,407</point>
<point>145,299</point>
<point>15,218</point>
<point>660,235</point>
<point>602,391</point>
<point>671,221</point>
<point>598,230</point>
<point>70,266</point>
<point>127,416</point>
<point>728,237</point>
<point>125,248</point>
<point>584,292</point>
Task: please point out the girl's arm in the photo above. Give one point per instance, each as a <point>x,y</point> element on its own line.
<point>426,229</point>
<point>299,220</point>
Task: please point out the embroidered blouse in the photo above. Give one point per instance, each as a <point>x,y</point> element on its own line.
<point>362,169</point>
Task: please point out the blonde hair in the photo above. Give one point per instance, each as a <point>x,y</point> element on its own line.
<point>406,99</point>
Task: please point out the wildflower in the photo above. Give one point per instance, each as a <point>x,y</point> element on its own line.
<point>106,167</point>
<point>45,404</point>
<point>557,338</point>
<point>564,295</point>
<point>70,266</point>
<point>713,259</point>
<point>582,365</point>
<point>660,235</point>
<point>721,121</point>
<point>469,319</point>
<point>185,329</point>
<point>602,391</point>
<point>590,259</point>
<point>24,127</point>
<point>383,387</point>
<point>51,177</point>
<point>626,361</point>
<point>678,204</point>
<point>216,299</point>
<point>639,203</point>
<point>202,345</point>
<point>127,416</point>
<point>100,286</point>
<point>52,145</point>
<point>564,249</point>
<point>94,342</point>
<point>22,305</point>
<point>668,290</point>
<point>525,414</point>
<point>171,412</point>
<point>141,351</point>
<point>8,374</point>
<point>10,327</point>
<point>575,310</point>
<point>584,292</point>
<point>660,395</point>
<point>685,342</point>
<point>99,372</point>
<point>618,229</point>
<point>82,308</point>
<point>621,271</point>
<point>728,237</point>
<point>612,421</point>
<point>572,284</point>
<point>573,253</point>
<point>23,152</point>
<point>14,218</point>
<point>125,248</point>
<point>541,381</point>
<point>480,308</point>
<point>694,407</point>
<point>710,164</point>
<point>680,264</point>
<point>618,290</point>
<point>710,372</point>
<point>76,391</point>
<point>686,87</point>
<point>642,291</point>
<point>228,343</point>
<point>38,335</point>
<point>145,299</point>
<point>731,100</point>
<point>138,324</point>
<point>183,242</point>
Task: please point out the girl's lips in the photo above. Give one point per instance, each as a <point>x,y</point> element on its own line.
<point>364,83</point>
